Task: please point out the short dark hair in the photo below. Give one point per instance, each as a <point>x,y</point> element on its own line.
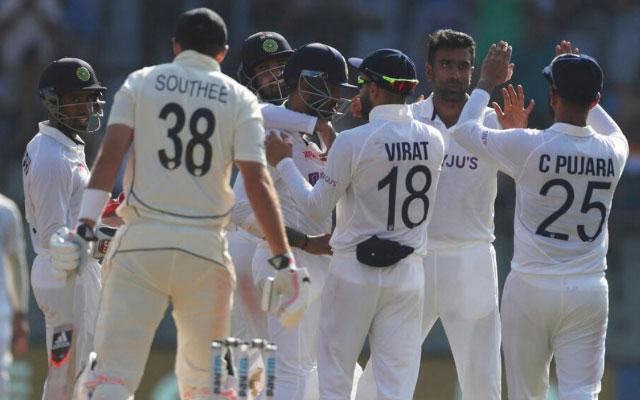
<point>450,39</point>
<point>202,30</point>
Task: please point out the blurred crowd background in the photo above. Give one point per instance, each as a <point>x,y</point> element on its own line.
<point>119,36</point>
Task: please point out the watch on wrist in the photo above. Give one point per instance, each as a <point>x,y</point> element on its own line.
<point>281,261</point>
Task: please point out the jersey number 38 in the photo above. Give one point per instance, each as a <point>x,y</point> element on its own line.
<point>200,134</point>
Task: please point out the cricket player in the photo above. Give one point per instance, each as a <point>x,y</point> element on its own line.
<point>383,177</point>
<point>316,76</point>
<point>14,290</point>
<point>460,257</point>
<point>555,300</point>
<point>54,174</point>
<point>263,57</point>
<point>186,122</point>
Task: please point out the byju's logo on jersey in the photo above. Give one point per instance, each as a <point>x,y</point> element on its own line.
<point>460,161</point>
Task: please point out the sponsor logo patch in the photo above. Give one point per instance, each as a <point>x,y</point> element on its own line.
<point>61,346</point>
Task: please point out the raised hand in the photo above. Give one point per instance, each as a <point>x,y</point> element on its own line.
<point>496,67</point>
<point>564,47</point>
<point>514,115</point>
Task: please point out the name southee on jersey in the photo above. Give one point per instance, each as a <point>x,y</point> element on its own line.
<point>192,87</point>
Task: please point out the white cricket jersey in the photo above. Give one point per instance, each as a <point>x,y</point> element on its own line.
<point>190,123</point>
<point>383,177</point>
<point>275,117</point>
<point>54,176</point>
<point>306,157</point>
<point>13,264</point>
<point>463,211</point>
<point>565,179</point>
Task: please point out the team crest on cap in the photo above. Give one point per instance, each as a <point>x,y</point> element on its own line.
<point>83,74</point>
<point>270,45</point>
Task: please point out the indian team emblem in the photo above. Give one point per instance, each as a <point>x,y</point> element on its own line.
<point>83,74</point>
<point>270,45</point>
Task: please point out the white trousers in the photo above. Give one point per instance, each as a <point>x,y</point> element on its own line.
<point>461,289</point>
<point>296,358</point>
<point>554,316</point>
<point>68,306</point>
<point>384,304</point>
<point>248,321</point>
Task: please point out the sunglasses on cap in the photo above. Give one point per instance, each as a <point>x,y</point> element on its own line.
<point>399,85</point>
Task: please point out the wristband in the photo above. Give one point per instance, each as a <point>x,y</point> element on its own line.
<point>282,261</point>
<point>93,202</point>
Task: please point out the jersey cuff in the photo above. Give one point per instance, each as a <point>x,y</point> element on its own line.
<point>250,157</point>
<point>285,164</point>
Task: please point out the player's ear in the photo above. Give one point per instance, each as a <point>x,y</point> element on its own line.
<point>177,49</point>
<point>221,54</point>
<point>429,71</point>
<point>595,101</point>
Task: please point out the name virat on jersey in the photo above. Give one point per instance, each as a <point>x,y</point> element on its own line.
<point>576,165</point>
<point>193,88</point>
<point>407,151</point>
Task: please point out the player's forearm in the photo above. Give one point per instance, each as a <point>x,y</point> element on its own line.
<point>265,205</point>
<point>112,152</point>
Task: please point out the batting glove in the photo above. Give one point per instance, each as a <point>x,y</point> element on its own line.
<point>104,234</point>
<point>70,249</point>
<point>286,294</point>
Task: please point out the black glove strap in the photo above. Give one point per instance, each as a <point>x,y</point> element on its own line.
<point>279,262</point>
<point>86,232</point>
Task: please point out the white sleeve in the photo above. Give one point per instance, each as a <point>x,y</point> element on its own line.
<point>602,123</point>
<point>18,276</point>
<point>123,109</point>
<point>50,192</point>
<point>318,201</point>
<point>507,148</point>
<point>248,140</point>
<point>282,118</point>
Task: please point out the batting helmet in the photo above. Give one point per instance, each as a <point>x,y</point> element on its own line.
<point>318,65</point>
<point>68,75</point>
<point>258,48</point>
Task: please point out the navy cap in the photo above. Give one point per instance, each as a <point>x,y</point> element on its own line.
<point>387,62</point>
<point>317,57</point>
<point>68,75</point>
<point>201,25</point>
<point>576,77</point>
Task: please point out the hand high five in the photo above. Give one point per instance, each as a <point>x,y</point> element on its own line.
<point>497,67</point>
